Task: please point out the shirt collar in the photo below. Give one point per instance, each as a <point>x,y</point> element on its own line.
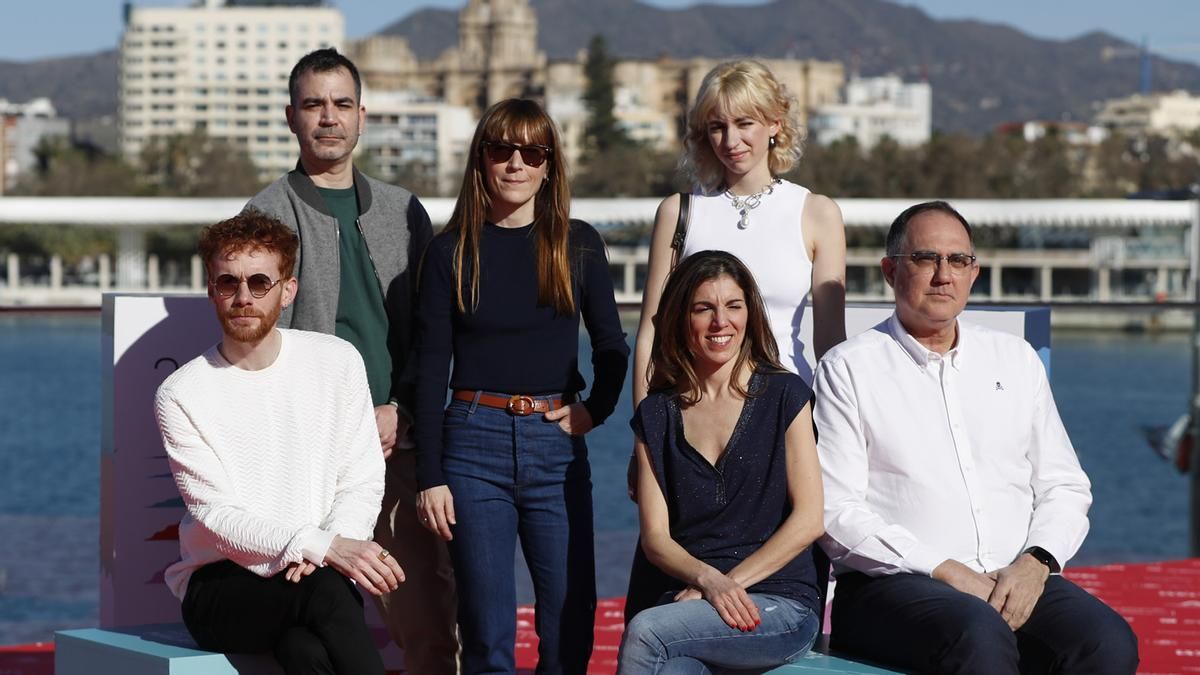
<point>921,355</point>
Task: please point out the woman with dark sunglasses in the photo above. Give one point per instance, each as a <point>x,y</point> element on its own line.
<point>502,291</point>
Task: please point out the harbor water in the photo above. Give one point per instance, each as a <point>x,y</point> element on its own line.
<point>1108,386</point>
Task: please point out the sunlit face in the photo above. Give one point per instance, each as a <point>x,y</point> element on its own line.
<point>929,300</point>
<point>243,317</point>
<point>326,116</point>
<point>513,182</point>
<point>740,141</point>
<point>718,322</point>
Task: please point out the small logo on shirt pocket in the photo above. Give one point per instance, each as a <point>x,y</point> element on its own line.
<point>999,387</point>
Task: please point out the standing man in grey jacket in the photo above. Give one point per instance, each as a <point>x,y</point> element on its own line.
<point>361,241</point>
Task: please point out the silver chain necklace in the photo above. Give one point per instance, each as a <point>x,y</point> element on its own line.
<point>744,205</point>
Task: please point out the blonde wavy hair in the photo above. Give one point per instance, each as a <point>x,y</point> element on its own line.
<point>738,88</point>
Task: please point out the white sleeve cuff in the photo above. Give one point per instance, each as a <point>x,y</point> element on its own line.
<point>922,560</point>
<point>314,544</point>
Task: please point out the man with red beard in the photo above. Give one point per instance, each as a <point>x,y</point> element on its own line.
<point>272,441</point>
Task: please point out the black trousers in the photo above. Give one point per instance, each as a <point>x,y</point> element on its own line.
<point>313,627</point>
<point>917,624</point>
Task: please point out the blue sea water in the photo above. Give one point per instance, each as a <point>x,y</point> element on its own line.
<point>1107,385</point>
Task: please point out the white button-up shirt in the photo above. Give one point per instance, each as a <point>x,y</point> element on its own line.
<point>928,457</point>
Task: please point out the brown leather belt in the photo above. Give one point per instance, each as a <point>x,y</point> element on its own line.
<point>517,404</point>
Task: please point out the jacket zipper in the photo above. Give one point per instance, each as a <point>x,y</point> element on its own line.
<point>371,257</point>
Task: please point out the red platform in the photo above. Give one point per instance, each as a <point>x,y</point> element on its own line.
<point>1160,600</point>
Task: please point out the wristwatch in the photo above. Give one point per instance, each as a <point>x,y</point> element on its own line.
<point>1043,556</point>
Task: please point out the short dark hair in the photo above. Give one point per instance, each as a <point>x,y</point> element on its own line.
<point>899,230</point>
<point>251,230</point>
<point>322,61</point>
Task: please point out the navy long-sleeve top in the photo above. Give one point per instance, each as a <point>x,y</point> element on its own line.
<point>510,343</point>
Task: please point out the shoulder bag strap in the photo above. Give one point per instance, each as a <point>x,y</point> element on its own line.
<point>681,226</point>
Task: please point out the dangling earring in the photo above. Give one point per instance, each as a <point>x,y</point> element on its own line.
<point>771,143</point>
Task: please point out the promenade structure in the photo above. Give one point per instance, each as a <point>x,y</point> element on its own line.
<point>221,67</point>
<point>1083,252</point>
<point>22,127</point>
<point>875,107</point>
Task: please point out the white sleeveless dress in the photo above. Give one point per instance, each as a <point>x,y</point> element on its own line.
<point>772,247</point>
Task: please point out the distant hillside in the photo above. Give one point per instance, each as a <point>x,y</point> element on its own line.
<point>982,74</point>
<point>81,87</point>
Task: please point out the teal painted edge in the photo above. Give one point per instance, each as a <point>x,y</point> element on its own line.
<point>131,639</point>
<point>816,662</point>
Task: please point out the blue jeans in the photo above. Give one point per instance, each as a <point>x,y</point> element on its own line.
<point>690,637</point>
<point>520,476</point>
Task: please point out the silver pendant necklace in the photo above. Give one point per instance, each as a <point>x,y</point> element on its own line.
<point>744,205</point>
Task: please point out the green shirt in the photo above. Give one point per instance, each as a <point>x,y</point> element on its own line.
<point>361,317</point>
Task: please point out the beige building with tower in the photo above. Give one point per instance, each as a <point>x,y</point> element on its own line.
<point>497,57</point>
<point>220,66</point>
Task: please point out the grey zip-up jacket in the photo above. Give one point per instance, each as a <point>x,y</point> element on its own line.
<point>396,229</point>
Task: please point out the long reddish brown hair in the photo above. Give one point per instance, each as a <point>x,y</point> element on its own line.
<point>671,367</point>
<point>516,121</point>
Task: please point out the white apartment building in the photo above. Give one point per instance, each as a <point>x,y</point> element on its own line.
<point>875,107</point>
<point>1170,114</point>
<point>22,127</point>
<point>221,66</point>
<point>409,134</point>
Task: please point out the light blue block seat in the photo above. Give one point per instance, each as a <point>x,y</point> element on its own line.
<point>157,649</point>
<point>821,660</point>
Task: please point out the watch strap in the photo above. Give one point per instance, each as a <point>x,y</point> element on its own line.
<point>1043,556</point>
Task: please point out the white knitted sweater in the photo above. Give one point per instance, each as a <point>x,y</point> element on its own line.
<point>271,463</point>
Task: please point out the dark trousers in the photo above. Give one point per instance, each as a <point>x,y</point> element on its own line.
<point>315,626</point>
<point>917,624</point>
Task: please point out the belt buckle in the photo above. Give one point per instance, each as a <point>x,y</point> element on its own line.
<point>521,406</point>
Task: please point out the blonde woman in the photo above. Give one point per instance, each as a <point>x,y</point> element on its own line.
<point>742,135</point>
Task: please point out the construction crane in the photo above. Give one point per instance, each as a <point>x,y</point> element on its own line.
<point>1145,58</point>
<point>1142,53</point>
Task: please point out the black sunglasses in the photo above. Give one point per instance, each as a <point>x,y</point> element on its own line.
<point>532,155</point>
<point>227,285</point>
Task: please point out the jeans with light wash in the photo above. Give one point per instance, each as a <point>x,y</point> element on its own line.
<point>690,637</point>
<point>520,477</point>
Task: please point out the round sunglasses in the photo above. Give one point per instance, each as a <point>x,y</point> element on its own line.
<point>227,285</point>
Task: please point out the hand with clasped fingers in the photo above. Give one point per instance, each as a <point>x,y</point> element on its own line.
<point>367,563</point>
<point>726,596</point>
<point>1018,588</point>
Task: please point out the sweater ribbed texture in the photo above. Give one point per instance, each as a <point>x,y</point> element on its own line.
<point>271,463</point>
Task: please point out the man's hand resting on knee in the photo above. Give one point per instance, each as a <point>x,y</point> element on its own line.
<point>366,562</point>
<point>962,578</point>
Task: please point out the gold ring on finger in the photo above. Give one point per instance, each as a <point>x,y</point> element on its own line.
<point>383,555</point>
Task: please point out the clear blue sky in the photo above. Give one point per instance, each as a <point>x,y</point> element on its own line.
<point>42,28</point>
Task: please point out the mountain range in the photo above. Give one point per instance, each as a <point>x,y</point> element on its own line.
<point>982,74</point>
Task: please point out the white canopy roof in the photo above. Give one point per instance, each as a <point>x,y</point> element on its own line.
<point>166,211</point>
